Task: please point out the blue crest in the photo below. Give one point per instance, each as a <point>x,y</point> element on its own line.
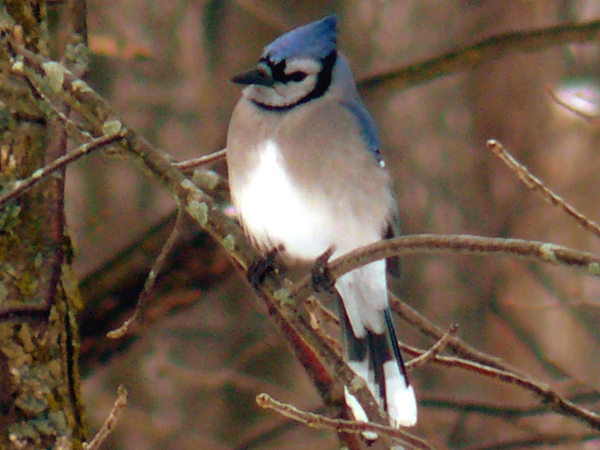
<point>315,40</point>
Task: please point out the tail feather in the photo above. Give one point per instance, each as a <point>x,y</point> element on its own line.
<point>375,355</point>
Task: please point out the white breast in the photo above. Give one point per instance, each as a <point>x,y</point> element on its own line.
<point>275,212</point>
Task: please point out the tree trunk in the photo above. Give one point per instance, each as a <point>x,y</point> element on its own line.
<point>39,384</point>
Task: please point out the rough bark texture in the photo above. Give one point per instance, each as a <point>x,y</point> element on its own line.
<point>39,387</point>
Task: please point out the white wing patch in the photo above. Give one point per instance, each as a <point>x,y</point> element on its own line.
<point>274,211</point>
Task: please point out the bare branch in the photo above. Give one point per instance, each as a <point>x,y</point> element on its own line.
<point>427,327</point>
<point>21,186</point>
<point>314,305</point>
<point>547,394</point>
<point>484,51</point>
<point>348,426</point>
<point>45,103</point>
<point>434,351</point>
<point>316,310</point>
<point>532,182</point>
<point>430,243</point>
<point>157,266</point>
<point>192,164</point>
<point>405,245</point>
<point>111,421</point>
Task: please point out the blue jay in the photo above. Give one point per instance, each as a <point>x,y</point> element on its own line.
<point>306,176</point>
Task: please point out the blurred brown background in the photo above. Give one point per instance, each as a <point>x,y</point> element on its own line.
<point>193,375</point>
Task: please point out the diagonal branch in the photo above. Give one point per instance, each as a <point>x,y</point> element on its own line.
<point>321,422</point>
<point>467,58</point>
<point>21,186</point>
<point>111,421</point>
<point>458,346</point>
<point>158,265</point>
<point>191,164</point>
<point>432,354</point>
<point>547,394</point>
<point>534,183</point>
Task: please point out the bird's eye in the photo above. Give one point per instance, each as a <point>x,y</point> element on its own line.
<point>297,76</point>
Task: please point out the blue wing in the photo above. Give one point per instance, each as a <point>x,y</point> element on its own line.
<point>368,130</point>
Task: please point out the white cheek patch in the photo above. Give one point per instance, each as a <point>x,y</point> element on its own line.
<point>274,211</point>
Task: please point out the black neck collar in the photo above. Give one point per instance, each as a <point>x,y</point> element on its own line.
<point>321,86</point>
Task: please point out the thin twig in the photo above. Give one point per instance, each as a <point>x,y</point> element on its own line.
<point>51,110</point>
<point>157,266</point>
<point>314,309</point>
<point>19,187</point>
<point>491,366</point>
<point>462,406</point>
<point>405,245</point>
<point>348,426</point>
<point>191,164</point>
<point>534,183</point>
<point>330,317</point>
<point>111,421</point>
<point>548,395</point>
<point>461,348</point>
<point>434,351</point>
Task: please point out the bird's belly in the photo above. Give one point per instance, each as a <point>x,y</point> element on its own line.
<point>276,212</point>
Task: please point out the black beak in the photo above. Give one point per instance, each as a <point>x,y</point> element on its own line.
<point>257,76</point>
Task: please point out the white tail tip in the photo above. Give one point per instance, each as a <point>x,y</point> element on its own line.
<point>402,408</point>
<point>401,401</point>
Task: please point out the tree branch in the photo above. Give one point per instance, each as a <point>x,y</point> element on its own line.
<point>429,243</point>
<point>348,426</point>
<point>534,183</point>
<point>192,164</point>
<point>111,421</point>
<point>467,58</point>
<point>138,315</point>
<point>21,186</point>
<point>507,375</point>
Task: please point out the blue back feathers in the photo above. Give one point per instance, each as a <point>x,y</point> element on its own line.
<point>367,126</point>
<point>315,40</point>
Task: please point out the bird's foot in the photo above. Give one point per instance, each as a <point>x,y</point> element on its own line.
<point>261,267</point>
<point>322,281</point>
